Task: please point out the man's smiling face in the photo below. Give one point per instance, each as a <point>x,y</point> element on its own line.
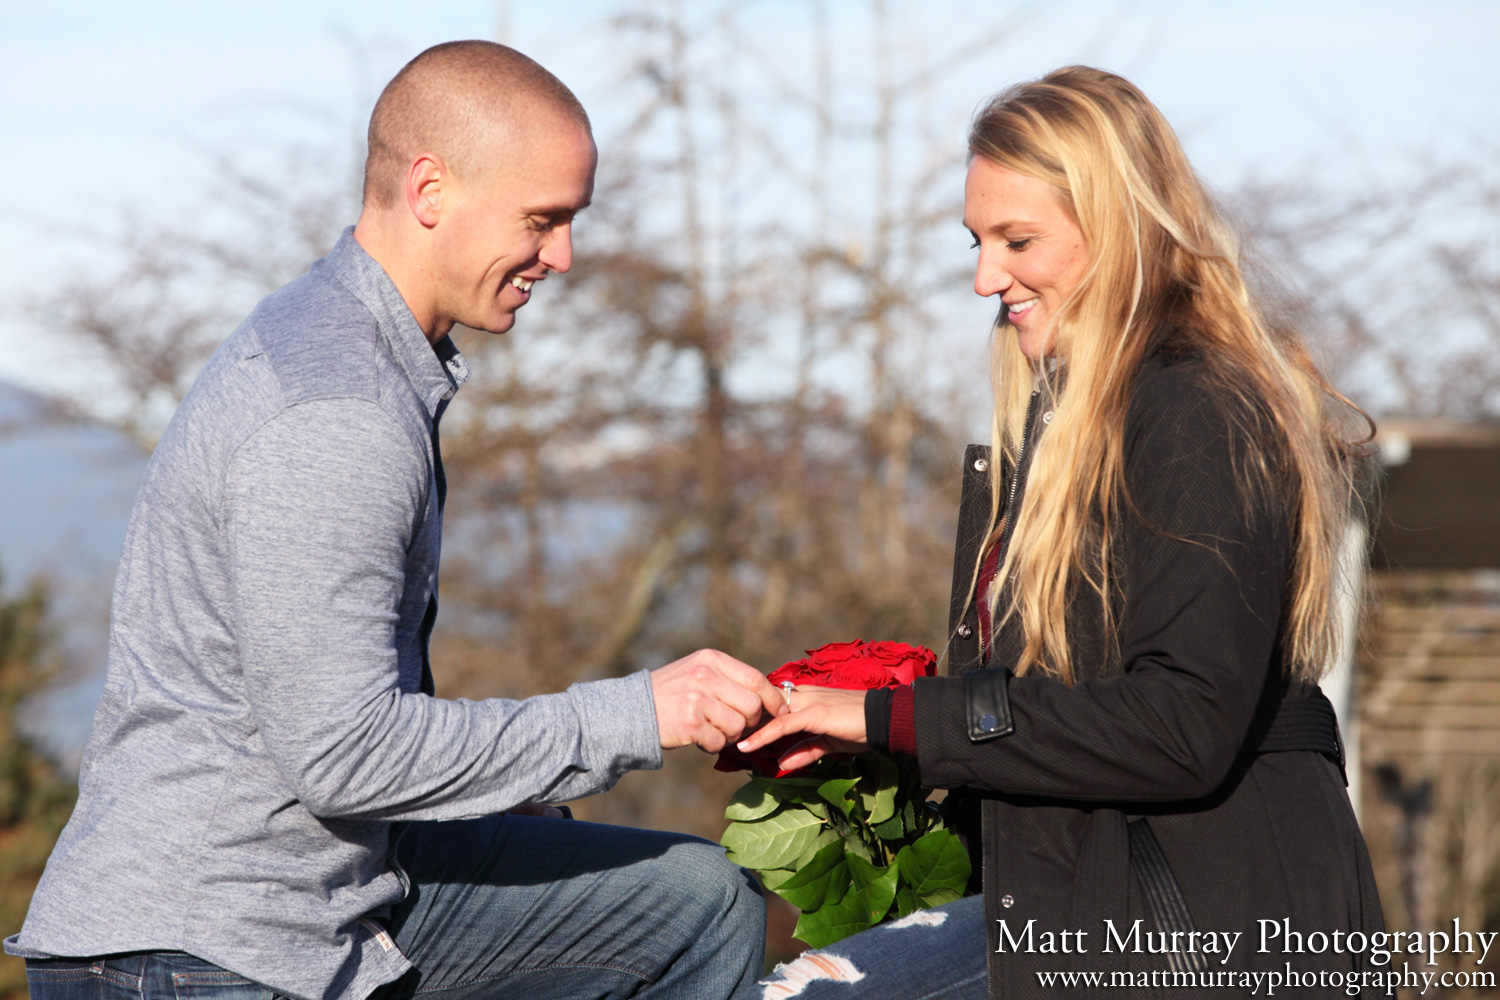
<point>511,225</point>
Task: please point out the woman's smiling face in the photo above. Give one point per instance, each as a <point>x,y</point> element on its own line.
<point>1031,252</point>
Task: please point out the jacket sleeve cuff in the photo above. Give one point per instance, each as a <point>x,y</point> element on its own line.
<point>878,717</point>
<point>618,724</point>
<point>903,728</point>
<point>945,753</point>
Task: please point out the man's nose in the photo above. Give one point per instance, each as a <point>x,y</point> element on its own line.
<point>557,249</point>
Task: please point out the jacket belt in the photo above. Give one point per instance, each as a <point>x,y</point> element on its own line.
<point>1302,722</point>
<point>1288,723</point>
<point>1298,723</point>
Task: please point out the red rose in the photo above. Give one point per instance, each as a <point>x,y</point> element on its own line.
<point>852,666</point>
<point>896,661</point>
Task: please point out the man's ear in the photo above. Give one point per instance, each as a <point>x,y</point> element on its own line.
<point>427,180</point>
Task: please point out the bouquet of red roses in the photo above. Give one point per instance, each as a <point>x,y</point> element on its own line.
<point>850,840</point>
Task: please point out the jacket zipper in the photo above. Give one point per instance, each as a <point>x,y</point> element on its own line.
<point>985,823</point>
<point>1017,477</point>
<point>1017,474</point>
<point>1015,480</point>
<point>991,966</point>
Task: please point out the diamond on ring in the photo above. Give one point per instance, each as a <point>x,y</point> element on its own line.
<point>787,687</point>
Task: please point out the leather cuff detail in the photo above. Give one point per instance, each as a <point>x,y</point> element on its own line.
<point>878,717</point>
<point>987,705</point>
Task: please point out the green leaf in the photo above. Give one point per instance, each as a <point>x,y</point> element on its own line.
<point>798,791</point>
<point>824,838</point>
<point>875,888</point>
<point>774,783</point>
<point>822,880</point>
<point>933,862</point>
<point>941,897</point>
<point>789,789</point>
<point>857,847</point>
<point>836,792</point>
<point>930,817</point>
<point>909,817</point>
<point>880,803</point>
<point>908,902</point>
<point>774,841</point>
<point>891,829</point>
<point>750,803</point>
<point>818,809</point>
<point>773,877</point>
<point>832,923</point>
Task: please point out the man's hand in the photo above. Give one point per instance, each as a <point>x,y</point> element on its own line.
<point>711,699</point>
<point>837,716</point>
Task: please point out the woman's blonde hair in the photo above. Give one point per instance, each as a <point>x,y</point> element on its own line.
<point>1163,268</point>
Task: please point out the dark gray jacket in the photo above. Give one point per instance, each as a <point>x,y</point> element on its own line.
<point>1173,724</point>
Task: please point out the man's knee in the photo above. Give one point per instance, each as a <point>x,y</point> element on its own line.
<point>709,875</point>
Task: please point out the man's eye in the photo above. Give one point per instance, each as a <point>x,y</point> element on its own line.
<point>1018,245</point>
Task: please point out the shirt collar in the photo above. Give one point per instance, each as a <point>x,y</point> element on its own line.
<point>434,370</point>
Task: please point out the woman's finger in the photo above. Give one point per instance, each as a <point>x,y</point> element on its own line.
<point>805,753</point>
<point>782,725</point>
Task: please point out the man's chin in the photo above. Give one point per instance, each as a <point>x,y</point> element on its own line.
<point>496,324</point>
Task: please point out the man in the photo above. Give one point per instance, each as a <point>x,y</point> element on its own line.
<point>267,729</point>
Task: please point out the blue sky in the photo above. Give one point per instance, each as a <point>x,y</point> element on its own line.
<point>111,108</point>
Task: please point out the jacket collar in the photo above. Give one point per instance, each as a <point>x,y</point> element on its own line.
<point>435,371</point>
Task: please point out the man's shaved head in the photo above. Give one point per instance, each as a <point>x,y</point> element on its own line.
<point>468,103</point>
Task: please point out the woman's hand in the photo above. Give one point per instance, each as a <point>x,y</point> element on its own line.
<point>837,717</point>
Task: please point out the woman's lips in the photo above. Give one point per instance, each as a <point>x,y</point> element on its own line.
<point>1021,308</point>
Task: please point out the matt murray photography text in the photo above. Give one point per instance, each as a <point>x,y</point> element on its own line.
<point>1274,936</point>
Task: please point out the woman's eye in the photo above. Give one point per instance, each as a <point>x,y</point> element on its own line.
<point>1018,245</point>
<point>975,244</point>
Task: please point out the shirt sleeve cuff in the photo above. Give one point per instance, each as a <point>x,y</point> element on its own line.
<point>619,723</point>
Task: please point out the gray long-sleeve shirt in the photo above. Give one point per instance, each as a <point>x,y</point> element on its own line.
<point>262,727</point>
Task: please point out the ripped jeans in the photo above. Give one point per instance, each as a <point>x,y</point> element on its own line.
<point>937,953</point>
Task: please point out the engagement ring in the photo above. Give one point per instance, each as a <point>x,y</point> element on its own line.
<point>787,687</point>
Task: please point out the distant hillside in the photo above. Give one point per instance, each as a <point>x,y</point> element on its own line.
<point>65,495</point>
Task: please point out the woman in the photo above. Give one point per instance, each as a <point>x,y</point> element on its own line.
<point>1139,736</point>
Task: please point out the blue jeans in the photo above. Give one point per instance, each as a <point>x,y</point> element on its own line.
<point>516,906</point>
<point>937,953</point>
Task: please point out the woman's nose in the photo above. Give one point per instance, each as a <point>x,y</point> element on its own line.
<point>990,276</point>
